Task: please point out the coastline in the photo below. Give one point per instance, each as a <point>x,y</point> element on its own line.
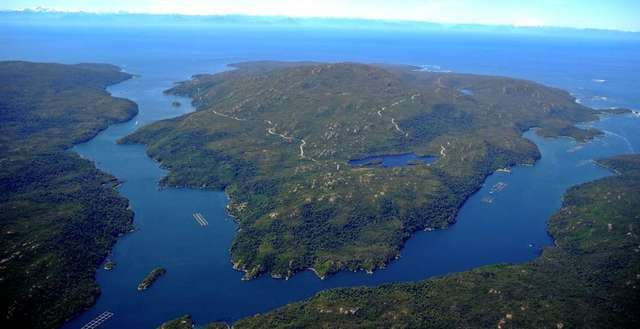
<point>116,184</point>
<point>250,273</point>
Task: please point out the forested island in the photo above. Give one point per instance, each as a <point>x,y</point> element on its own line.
<point>588,279</point>
<point>278,138</point>
<point>59,215</point>
<point>185,322</point>
<point>151,278</point>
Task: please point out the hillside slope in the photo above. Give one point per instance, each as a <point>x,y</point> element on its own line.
<point>59,215</point>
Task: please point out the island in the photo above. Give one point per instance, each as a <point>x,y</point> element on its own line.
<point>587,279</point>
<point>59,215</point>
<point>176,104</point>
<point>278,138</point>
<point>151,278</point>
<point>185,322</point>
<point>109,265</point>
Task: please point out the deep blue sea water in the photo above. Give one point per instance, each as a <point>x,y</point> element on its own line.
<point>199,279</point>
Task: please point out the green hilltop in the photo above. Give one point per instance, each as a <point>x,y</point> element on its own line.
<point>59,215</point>
<point>278,138</point>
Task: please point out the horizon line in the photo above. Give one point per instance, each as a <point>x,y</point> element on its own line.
<point>43,10</point>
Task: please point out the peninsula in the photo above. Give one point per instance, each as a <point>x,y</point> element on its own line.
<point>588,279</point>
<point>278,137</point>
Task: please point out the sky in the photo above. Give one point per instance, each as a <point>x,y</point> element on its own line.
<point>601,14</point>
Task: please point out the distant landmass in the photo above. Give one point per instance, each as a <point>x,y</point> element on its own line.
<point>59,215</point>
<point>279,138</point>
<point>45,16</point>
<point>588,279</point>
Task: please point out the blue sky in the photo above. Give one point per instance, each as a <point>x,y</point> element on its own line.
<point>602,14</point>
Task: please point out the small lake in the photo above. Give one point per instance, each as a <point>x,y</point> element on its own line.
<point>392,160</point>
<point>505,221</point>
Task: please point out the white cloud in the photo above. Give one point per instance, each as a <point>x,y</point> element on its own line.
<point>529,22</point>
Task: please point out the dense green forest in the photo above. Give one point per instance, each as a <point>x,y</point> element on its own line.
<point>590,278</point>
<point>59,215</point>
<point>278,137</point>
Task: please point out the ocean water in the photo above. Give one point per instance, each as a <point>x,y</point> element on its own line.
<point>200,281</point>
